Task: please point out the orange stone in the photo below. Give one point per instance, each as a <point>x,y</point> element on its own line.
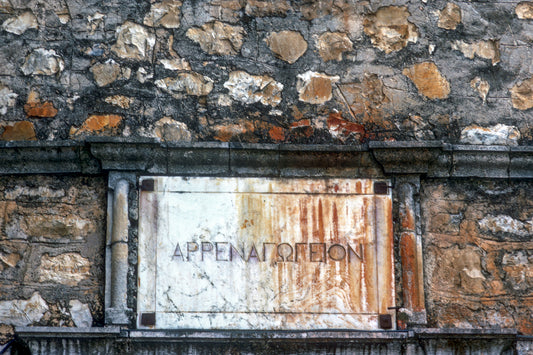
<point>277,133</point>
<point>98,124</point>
<point>428,80</point>
<point>20,131</point>
<point>38,109</point>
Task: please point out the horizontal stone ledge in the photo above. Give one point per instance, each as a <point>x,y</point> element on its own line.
<point>68,332</point>
<point>373,160</point>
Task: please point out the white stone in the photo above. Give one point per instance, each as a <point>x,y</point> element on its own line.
<point>506,224</point>
<point>18,25</point>
<point>499,134</point>
<point>175,64</point>
<point>315,88</point>
<point>190,276</point>
<point>254,88</point>
<point>23,312</point>
<point>134,42</point>
<point>67,269</point>
<point>170,130</point>
<point>7,99</point>
<point>80,313</point>
<point>186,83</point>
<point>43,62</point>
<point>165,13</point>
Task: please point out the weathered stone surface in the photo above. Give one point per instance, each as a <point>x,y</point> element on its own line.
<point>134,42</point>
<point>169,130</point>
<point>262,8</point>
<point>499,134</point>
<point>287,45</point>
<point>428,80</point>
<point>20,24</point>
<point>119,100</point>
<point>67,269</point>
<point>218,38</point>
<point>165,13</point>
<point>80,313</point>
<point>484,49</point>
<point>389,29</point>
<point>343,129</point>
<point>35,108</point>
<point>450,17</point>
<point>43,62</point>
<point>105,73</point>
<point>224,10</point>
<point>522,95</point>
<point>229,131</point>
<point>477,255</point>
<point>524,10</point>
<point>315,88</point>
<point>186,83</point>
<point>503,224</point>
<point>23,312</point>
<point>54,226</point>
<point>175,64</point>
<point>481,86</point>
<point>102,125</point>
<point>7,99</point>
<point>331,45</point>
<point>254,88</point>
<point>18,131</point>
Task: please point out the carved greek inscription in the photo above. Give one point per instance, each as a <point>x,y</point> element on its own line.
<point>267,252</point>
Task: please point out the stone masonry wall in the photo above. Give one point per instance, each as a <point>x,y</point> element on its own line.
<point>329,71</point>
<point>479,254</point>
<point>52,235</point>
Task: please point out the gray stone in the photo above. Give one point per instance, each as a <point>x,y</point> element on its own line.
<point>134,42</point>
<point>23,312</point>
<point>7,99</point>
<point>80,313</point>
<point>43,62</point>
<point>168,129</point>
<point>105,73</point>
<point>18,25</point>
<point>254,88</point>
<point>165,13</point>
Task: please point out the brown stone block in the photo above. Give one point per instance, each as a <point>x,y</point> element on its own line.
<point>105,125</point>
<point>19,131</point>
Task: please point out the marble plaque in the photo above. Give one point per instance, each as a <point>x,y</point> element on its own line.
<point>257,253</point>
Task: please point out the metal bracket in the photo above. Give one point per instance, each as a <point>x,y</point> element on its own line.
<point>147,185</point>
<point>385,321</point>
<point>147,319</point>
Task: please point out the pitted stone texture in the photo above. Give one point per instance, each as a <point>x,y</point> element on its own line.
<point>43,62</point>
<point>428,80</point>
<point>389,29</point>
<point>287,45</point>
<point>20,24</point>
<point>218,38</point>
<point>522,95</point>
<point>101,125</point>
<point>499,134</point>
<point>484,49</point>
<point>165,13</point>
<point>250,89</point>
<point>331,45</point>
<point>262,8</point>
<point>478,253</point>
<point>450,17</point>
<point>169,130</point>
<point>7,99</point>
<point>194,84</point>
<point>134,42</point>
<point>481,86</point>
<point>315,88</point>
<point>67,269</point>
<point>524,10</point>
<point>23,312</point>
<point>17,131</point>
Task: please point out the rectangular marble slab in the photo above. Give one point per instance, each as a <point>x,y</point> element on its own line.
<point>256,253</point>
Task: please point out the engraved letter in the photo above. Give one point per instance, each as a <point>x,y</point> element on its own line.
<point>336,252</point>
<point>351,251</point>
<point>206,248</point>
<point>313,251</point>
<point>296,247</point>
<point>191,247</point>
<point>178,252</point>
<point>264,251</point>
<point>219,251</point>
<point>253,254</point>
<point>285,251</point>
<point>233,249</point>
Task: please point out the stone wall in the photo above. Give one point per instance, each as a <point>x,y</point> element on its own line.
<point>478,253</point>
<point>52,235</point>
<point>330,71</point>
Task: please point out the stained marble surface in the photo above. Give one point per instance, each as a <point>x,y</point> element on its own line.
<point>247,253</point>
